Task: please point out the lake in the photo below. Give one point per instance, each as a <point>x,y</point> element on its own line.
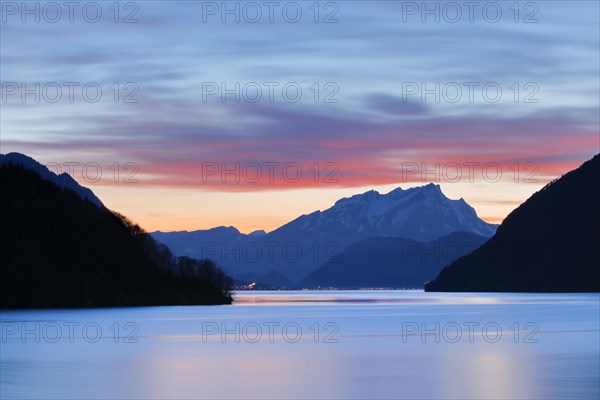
<point>311,344</point>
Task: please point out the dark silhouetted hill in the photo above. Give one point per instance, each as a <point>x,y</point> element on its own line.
<point>551,243</point>
<point>61,250</point>
<point>391,262</point>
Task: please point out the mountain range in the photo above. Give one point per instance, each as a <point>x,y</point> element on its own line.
<point>296,249</point>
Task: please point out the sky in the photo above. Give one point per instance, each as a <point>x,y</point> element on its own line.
<point>190,115</point>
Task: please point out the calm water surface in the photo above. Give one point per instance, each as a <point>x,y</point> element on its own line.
<point>325,345</point>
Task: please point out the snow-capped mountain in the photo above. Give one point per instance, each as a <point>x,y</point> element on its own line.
<point>420,213</point>
<point>300,246</point>
<point>64,180</point>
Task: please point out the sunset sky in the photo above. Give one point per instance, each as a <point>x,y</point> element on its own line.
<point>361,120</point>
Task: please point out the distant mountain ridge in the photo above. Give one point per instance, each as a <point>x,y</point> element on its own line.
<point>550,243</point>
<point>421,214</point>
<point>396,263</point>
<point>63,181</point>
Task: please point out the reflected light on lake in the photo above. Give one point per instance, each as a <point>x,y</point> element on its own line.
<point>315,345</point>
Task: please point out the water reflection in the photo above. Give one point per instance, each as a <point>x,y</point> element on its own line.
<point>356,345</point>
<point>395,296</point>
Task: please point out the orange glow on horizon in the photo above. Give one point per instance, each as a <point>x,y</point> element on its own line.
<point>180,209</point>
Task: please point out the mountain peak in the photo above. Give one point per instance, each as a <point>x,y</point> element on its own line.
<point>430,189</point>
<point>396,192</point>
<point>374,195</point>
<point>433,186</point>
<point>226,229</point>
<point>420,213</point>
<point>369,194</point>
<point>358,198</point>
<point>258,233</point>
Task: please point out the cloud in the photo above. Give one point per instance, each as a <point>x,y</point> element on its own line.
<point>362,151</point>
<point>395,106</point>
<point>368,134</point>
